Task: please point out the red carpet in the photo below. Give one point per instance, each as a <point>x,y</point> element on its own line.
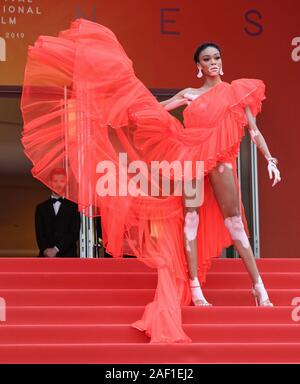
<point>79,311</point>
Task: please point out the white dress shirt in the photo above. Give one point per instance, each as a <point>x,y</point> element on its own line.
<point>56,207</point>
<point>57,204</point>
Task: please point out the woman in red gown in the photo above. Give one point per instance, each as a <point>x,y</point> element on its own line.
<point>84,110</point>
<point>210,106</point>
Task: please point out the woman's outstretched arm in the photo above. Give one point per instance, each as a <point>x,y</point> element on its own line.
<point>261,144</point>
<point>175,101</point>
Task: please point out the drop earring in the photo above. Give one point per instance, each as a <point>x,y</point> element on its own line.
<point>221,72</point>
<point>200,74</point>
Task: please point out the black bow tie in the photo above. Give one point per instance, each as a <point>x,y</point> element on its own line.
<point>54,199</point>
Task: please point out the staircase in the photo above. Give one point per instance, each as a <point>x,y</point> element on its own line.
<point>79,311</point>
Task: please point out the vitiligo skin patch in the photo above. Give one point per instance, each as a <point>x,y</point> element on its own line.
<point>236,229</point>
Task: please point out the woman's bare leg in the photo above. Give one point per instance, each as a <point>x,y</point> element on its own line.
<point>224,187</point>
<point>191,215</point>
<point>190,228</point>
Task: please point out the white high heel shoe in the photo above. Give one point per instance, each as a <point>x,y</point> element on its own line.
<point>197,295</point>
<point>261,295</point>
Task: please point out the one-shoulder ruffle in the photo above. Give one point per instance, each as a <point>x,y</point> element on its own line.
<point>247,92</point>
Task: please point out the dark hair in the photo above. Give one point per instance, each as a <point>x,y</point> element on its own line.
<point>202,47</point>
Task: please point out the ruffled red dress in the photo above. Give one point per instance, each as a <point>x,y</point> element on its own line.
<point>82,106</point>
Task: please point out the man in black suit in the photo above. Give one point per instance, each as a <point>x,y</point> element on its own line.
<point>57,221</point>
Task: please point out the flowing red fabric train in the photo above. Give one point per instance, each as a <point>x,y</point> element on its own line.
<point>83,109</point>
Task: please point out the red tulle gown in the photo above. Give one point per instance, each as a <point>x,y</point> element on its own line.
<point>82,104</point>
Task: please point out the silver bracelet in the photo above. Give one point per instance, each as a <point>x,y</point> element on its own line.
<point>273,160</point>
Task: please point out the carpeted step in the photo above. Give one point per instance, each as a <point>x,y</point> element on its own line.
<point>148,280</point>
<point>128,314</point>
<point>123,333</point>
<point>222,297</point>
<point>196,353</point>
<point>75,310</point>
<point>33,264</point>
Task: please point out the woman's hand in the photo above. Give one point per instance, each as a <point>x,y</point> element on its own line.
<point>258,139</point>
<point>176,101</point>
<point>273,170</point>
